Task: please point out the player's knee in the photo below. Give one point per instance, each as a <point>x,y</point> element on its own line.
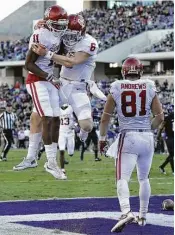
<point>87,125</point>
<point>35,123</point>
<point>143,180</point>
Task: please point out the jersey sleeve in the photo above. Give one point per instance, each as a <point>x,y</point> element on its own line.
<point>38,36</point>
<point>114,90</point>
<point>89,46</point>
<point>152,89</point>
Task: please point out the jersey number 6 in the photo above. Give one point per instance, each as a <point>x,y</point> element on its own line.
<point>93,47</point>
<point>132,103</point>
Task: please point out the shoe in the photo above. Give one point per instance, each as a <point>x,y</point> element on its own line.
<point>162,170</point>
<point>97,159</point>
<point>140,221</point>
<point>3,159</point>
<point>26,163</point>
<point>54,170</point>
<point>124,219</point>
<point>64,172</point>
<point>66,162</point>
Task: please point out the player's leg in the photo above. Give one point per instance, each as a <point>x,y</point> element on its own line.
<point>35,137</point>
<point>144,162</point>
<point>94,138</point>
<point>62,146</point>
<point>85,146</point>
<point>125,164</point>
<point>71,145</point>
<point>82,108</point>
<point>170,158</point>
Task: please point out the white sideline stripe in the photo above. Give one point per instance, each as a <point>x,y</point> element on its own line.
<point>152,218</point>
<point>85,198</point>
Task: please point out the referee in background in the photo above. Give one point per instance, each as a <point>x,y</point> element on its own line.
<point>7,122</point>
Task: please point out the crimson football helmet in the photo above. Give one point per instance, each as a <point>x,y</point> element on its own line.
<point>76,30</point>
<point>56,19</point>
<point>132,67</point>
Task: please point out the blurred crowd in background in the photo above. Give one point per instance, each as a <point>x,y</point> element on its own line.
<point>112,26</point>
<point>22,106</point>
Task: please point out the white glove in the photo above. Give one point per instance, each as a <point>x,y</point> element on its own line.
<point>95,90</point>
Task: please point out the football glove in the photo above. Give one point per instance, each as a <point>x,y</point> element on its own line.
<point>103,146</point>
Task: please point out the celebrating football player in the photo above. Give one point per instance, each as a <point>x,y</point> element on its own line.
<point>134,100</point>
<point>77,69</point>
<point>40,85</point>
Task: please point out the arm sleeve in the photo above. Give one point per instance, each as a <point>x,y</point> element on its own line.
<point>114,90</point>
<point>89,46</point>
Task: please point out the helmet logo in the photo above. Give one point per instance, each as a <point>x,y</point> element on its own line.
<point>81,21</point>
<point>47,12</point>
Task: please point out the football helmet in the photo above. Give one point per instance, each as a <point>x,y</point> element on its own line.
<point>168,204</point>
<point>56,19</point>
<point>76,30</point>
<point>132,67</point>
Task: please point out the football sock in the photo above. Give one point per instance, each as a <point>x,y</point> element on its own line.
<point>50,153</point>
<point>123,195</point>
<point>144,194</point>
<point>55,148</point>
<point>83,135</point>
<point>34,140</point>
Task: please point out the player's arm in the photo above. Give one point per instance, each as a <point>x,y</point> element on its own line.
<point>32,67</point>
<point>107,113</point>
<point>157,111</point>
<point>161,127</point>
<point>69,60</point>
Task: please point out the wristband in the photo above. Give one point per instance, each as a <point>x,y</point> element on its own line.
<point>102,138</point>
<point>49,55</point>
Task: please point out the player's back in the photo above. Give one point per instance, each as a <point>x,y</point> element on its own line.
<point>133,102</point>
<point>83,71</point>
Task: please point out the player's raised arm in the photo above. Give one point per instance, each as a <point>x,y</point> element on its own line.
<point>157,111</point>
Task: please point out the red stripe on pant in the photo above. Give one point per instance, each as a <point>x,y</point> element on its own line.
<point>37,101</point>
<point>121,141</point>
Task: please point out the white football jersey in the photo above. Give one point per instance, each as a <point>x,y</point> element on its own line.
<point>82,72</point>
<point>52,43</point>
<point>66,119</point>
<point>133,103</point>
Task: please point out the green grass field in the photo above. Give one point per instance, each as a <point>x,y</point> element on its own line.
<point>85,179</point>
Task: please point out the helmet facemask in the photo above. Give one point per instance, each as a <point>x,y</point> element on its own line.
<point>71,37</point>
<point>58,28</point>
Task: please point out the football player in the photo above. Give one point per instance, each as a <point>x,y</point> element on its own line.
<point>77,68</point>
<point>168,125</point>
<point>66,133</point>
<point>135,100</point>
<point>40,85</point>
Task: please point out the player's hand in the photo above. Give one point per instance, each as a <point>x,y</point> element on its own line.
<point>70,54</point>
<point>40,24</point>
<point>103,146</point>
<point>39,49</point>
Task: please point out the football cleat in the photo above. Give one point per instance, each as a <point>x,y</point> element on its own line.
<point>54,170</point>
<point>123,220</point>
<point>140,221</point>
<point>97,159</point>
<point>3,159</point>
<point>168,204</point>
<point>26,163</point>
<point>162,170</point>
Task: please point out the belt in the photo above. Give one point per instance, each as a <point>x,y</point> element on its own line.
<point>136,130</point>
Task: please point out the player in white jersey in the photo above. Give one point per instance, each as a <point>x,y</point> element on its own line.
<point>135,99</point>
<point>66,133</point>
<point>40,85</point>
<point>77,69</point>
